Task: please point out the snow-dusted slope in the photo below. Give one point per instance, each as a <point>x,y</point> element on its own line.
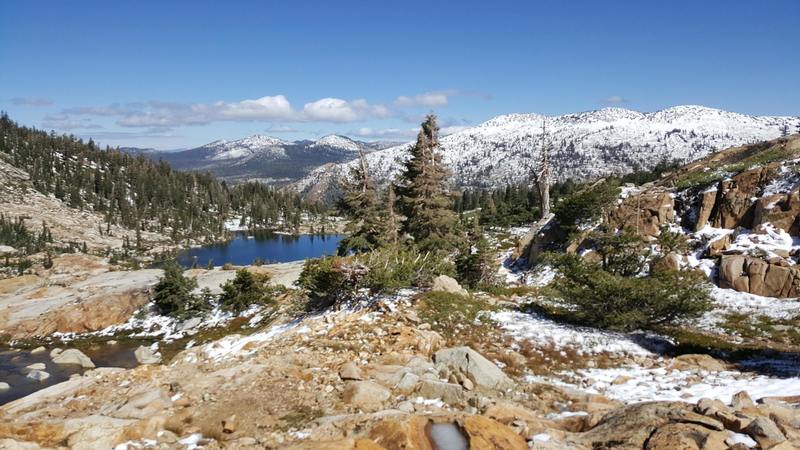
<point>266,158</point>
<point>253,146</point>
<point>584,145</point>
<point>338,142</point>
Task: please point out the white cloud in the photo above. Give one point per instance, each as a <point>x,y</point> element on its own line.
<point>615,100</point>
<point>65,122</point>
<point>331,110</point>
<point>268,108</point>
<point>31,101</point>
<point>276,107</point>
<point>383,133</point>
<point>428,99</point>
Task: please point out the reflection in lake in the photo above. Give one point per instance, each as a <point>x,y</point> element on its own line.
<point>270,247</point>
<point>13,363</point>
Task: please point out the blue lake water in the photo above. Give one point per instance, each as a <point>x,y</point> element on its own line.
<point>271,247</point>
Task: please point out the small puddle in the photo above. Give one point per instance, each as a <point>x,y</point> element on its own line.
<point>447,436</point>
<point>13,363</point>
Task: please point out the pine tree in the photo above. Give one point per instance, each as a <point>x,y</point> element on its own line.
<point>424,197</point>
<point>392,221</point>
<point>172,295</point>
<point>365,232</point>
<point>784,130</point>
<point>475,265</point>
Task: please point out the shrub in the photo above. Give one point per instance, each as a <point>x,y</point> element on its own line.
<point>330,280</point>
<point>580,209</point>
<point>604,299</point>
<point>448,313</point>
<point>397,267</point>
<point>23,265</point>
<point>335,279</point>
<point>621,253</point>
<point>475,265</point>
<point>48,261</point>
<point>172,294</point>
<point>245,290</point>
<point>672,241</point>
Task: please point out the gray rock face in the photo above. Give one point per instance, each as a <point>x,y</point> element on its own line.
<point>450,393</point>
<point>38,375</point>
<point>350,371</point>
<point>36,366</point>
<point>365,394</point>
<point>408,382</point>
<point>143,405</point>
<point>474,366</point>
<point>765,432</point>
<point>443,283</point>
<point>144,355</point>
<point>75,357</point>
<point>190,324</point>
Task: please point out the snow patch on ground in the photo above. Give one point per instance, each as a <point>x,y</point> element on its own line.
<point>234,345</point>
<point>544,332</point>
<point>643,384</point>
<point>729,301</point>
<point>632,382</point>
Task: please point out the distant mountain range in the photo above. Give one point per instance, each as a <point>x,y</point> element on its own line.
<point>263,158</point>
<point>497,152</point>
<point>584,145</point>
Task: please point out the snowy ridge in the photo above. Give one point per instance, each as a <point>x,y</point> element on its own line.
<point>339,142</point>
<point>246,148</point>
<point>584,145</point>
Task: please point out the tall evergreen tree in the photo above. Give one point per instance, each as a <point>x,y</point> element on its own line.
<point>424,198</point>
<point>365,231</point>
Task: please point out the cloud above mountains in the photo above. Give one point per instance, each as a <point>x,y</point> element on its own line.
<point>31,101</point>
<point>276,109</point>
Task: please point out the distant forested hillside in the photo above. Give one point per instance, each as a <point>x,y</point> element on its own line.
<point>137,193</point>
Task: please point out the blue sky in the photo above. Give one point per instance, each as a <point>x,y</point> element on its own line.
<point>174,74</point>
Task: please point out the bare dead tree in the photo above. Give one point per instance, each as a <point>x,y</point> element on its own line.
<point>362,160</point>
<point>542,174</point>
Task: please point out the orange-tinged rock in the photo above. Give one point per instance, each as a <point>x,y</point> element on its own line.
<point>395,434</point>
<point>488,434</point>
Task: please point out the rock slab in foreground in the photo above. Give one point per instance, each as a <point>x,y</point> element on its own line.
<point>145,355</point>
<point>73,356</point>
<point>473,365</point>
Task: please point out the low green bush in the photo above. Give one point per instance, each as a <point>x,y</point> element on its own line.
<point>595,297</point>
<point>173,296</point>
<point>397,267</point>
<point>330,280</point>
<point>449,313</point>
<point>580,209</point>
<point>247,289</point>
<point>335,279</point>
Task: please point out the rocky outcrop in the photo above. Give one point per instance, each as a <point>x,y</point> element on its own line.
<point>474,366</point>
<point>644,212</point>
<point>773,278</point>
<point>146,355</point>
<point>365,394</point>
<point>734,205</point>
<point>780,210</point>
<point>443,283</point>
<point>74,357</point>
<point>70,303</point>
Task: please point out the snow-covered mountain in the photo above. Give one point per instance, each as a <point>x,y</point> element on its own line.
<point>266,158</point>
<point>256,146</point>
<point>584,145</point>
